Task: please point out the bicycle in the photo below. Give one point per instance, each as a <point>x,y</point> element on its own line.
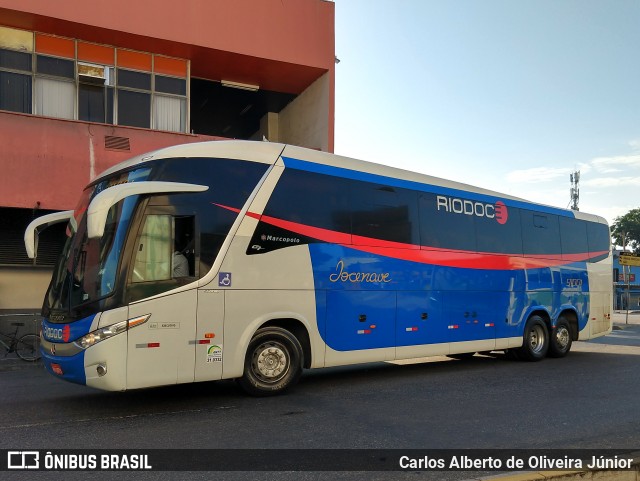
<point>27,347</point>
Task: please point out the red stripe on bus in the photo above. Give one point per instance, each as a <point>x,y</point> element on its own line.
<point>425,254</point>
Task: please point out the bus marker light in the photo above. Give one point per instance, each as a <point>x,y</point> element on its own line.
<point>372,326</point>
<point>489,324</point>
<point>454,326</point>
<point>153,344</point>
<point>209,335</point>
<point>411,329</point>
<point>204,341</point>
<point>364,331</point>
<point>57,369</point>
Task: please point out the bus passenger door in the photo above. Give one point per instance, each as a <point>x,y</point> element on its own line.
<point>161,351</point>
<point>472,318</point>
<point>421,329</point>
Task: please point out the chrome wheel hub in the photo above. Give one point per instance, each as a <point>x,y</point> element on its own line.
<point>270,362</point>
<point>562,337</point>
<point>537,339</point>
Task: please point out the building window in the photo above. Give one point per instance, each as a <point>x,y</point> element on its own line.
<point>16,70</point>
<point>134,106</point>
<point>169,113</point>
<point>55,98</point>
<point>15,92</point>
<point>95,93</point>
<point>71,79</point>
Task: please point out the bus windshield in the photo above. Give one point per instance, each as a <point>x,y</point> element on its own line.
<point>87,268</point>
<point>90,270</point>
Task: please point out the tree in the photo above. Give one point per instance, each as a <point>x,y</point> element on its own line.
<point>626,230</point>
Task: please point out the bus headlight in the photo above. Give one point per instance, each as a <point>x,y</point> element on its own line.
<point>103,333</point>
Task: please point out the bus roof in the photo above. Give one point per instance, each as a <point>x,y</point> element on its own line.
<point>274,153</point>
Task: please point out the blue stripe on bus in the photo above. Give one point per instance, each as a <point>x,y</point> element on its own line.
<point>68,332</point>
<point>366,301</point>
<point>72,366</point>
<point>418,186</point>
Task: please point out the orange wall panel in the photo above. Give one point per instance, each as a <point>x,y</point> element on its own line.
<point>90,52</point>
<point>134,60</point>
<point>60,47</point>
<point>169,66</point>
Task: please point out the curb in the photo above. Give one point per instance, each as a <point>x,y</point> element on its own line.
<point>631,474</point>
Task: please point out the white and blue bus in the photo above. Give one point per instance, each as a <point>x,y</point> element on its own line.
<point>255,260</point>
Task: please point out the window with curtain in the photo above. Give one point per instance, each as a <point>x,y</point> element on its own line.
<point>55,87</point>
<point>169,113</point>
<point>154,250</point>
<point>55,98</point>
<point>169,104</point>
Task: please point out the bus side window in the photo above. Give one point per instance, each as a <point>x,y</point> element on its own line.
<point>441,227</point>
<point>573,237</point>
<point>165,249</point>
<point>153,250</point>
<point>381,212</point>
<point>184,256</point>
<point>599,239</point>
<point>540,233</point>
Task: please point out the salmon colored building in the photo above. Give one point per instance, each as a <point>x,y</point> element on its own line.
<point>85,85</point>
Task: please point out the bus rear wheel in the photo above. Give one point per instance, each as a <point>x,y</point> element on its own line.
<point>536,340</point>
<point>560,344</point>
<point>273,362</point>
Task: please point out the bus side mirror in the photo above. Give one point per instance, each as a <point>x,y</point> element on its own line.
<point>101,203</point>
<point>31,233</point>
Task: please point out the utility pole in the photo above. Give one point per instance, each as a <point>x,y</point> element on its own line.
<point>575,189</point>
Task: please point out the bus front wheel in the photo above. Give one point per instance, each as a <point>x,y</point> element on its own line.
<point>273,362</point>
<point>536,340</point>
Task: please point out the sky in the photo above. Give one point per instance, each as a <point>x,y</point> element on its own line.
<point>508,95</point>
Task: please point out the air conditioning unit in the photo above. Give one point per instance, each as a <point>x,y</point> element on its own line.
<point>95,74</point>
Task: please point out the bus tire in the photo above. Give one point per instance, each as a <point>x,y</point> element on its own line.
<point>536,340</point>
<point>273,362</point>
<point>560,342</point>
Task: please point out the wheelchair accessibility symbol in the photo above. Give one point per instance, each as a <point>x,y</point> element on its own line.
<point>224,279</point>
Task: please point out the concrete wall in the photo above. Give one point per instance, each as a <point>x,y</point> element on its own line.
<point>23,288</point>
<point>305,121</point>
<point>51,160</point>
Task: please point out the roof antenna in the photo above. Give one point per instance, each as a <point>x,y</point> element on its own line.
<point>575,189</point>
